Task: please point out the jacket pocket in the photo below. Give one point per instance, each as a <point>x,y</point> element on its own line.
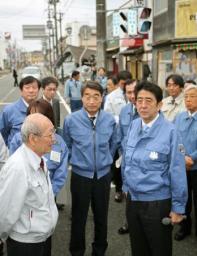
<point>37,194</point>
<point>156,157</point>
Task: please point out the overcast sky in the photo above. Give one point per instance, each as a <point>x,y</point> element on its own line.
<point>15,13</point>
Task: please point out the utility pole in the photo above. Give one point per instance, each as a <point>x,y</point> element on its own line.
<point>49,26</point>
<point>56,29</point>
<point>61,46</point>
<point>101,32</point>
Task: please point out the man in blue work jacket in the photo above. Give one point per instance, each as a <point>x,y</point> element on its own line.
<point>90,134</point>
<point>14,114</point>
<point>72,91</point>
<point>127,115</point>
<point>154,176</point>
<point>186,123</point>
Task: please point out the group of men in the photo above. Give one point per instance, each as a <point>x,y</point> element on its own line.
<point>155,154</point>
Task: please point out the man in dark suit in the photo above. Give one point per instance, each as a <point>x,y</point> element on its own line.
<point>49,86</point>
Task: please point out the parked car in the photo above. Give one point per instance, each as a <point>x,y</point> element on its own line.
<point>31,71</point>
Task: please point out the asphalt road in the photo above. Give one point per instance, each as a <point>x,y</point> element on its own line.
<point>118,245</point>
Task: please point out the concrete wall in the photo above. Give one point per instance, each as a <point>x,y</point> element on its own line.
<point>164,24</point>
<point>163,30</point>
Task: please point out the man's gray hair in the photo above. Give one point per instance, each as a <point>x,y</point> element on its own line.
<point>29,127</point>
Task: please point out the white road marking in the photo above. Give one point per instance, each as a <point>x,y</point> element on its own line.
<point>7,95</point>
<point>1,77</point>
<point>5,103</point>
<point>64,102</point>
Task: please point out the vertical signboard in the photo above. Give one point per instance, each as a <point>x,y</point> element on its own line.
<point>186,19</point>
<point>132,22</point>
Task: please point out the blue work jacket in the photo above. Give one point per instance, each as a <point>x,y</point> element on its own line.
<point>154,164</point>
<point>57,167</point>
<point>91,148</point>
<point>73,89</point>
<point>187,126</point>
<point>102,80</point>
<point>12,118</point>
<point>125,119</point>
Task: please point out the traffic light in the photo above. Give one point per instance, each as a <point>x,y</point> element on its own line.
<point>123,21</point>
<point>144,23</point>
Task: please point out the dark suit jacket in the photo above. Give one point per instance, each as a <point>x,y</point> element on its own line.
<point>56,111</point>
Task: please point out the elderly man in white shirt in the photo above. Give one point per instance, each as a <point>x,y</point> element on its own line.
<point>29,214</point>
<point>116,100</point>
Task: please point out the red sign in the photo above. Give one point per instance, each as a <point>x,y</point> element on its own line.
<point>132,42</point>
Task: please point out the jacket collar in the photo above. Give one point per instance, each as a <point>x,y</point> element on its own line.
<point>21,104</point>
<point>153,129</point>
<point>33,159</point>
<point>188,116</point>
<point>178,99</point>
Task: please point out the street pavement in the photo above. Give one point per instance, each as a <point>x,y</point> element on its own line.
<point>119,245</point>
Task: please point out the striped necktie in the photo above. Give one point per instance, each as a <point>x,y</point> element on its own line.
<point>92,119</point>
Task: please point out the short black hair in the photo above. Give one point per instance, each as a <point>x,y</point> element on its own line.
<point>150,87</point>
<point>177,79</point>
<point>114,79</point>
<point>128,82</point>
<point>92,85</point>
<point>48,80</point>
<point>124,75</point>
<point>75,73</point>
<point>190,82</point>
<point>28,80</point>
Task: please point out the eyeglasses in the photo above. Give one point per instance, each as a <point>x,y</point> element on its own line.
<point>172,85</point>
<point>51,135</point>
<point>144,100</point>
<point>190,96</point>
<point>94,98</point>
<point>51,89</point>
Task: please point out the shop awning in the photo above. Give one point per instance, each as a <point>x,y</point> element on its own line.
<point>132,51</point>
<point>186,46</point>
<point>75,52</point>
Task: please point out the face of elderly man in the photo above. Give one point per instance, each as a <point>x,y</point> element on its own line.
<point>191,99</point>
<point>42,141</point>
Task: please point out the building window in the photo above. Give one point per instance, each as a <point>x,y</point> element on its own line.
<point>160,6</point>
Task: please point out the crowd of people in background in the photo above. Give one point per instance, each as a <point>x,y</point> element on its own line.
<point>120,131</point>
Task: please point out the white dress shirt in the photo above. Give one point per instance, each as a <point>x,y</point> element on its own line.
<point>114,103</point>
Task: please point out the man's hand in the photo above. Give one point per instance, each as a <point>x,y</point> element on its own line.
<point>189,162</point>
<point>176,218</point>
